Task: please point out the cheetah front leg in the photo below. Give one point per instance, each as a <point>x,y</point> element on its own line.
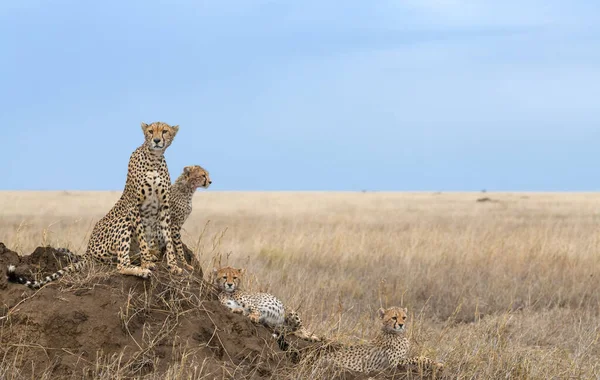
<point>422,362</point>
<point>125,232</point>
<point>164,226</point>
<point>231,304</point>
<point>144,233</point>
<point>294,323</point>
<point>304,334</point>
<point>149,259</point>
<point>147,252</point>
<point>254,315</point>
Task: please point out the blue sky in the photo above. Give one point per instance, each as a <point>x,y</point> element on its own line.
<point>305,95</point>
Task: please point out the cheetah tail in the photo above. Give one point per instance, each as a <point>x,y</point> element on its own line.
<point>13,277</point>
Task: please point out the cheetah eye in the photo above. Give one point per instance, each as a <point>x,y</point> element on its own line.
<point>404,318</point>
<point>224,277</point>
<point>165,131</point>
<point>395,318</point>
<point>150,131</point>
<point>234,277</point>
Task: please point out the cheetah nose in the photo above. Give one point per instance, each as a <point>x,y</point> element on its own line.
<point>209,182</point>
<point>157,140</point>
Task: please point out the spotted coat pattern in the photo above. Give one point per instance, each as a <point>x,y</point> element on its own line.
<point>389,349</point>
<point>182,192</point>
<point>261,308</point>
<point>144,204</point>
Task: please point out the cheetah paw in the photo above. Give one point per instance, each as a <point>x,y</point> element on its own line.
<point>145,273</point>
<point>188,267</point>
<point>308,337</point>
<point>149,265</point>
<point>174,269</point>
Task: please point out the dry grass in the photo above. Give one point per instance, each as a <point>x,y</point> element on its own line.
<point>506,289</point>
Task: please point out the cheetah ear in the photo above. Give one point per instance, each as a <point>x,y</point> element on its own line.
<point>405,310</point>
<point>174,129</point>
<point>381,312</point>
<point>144,126</point>
<point>242,270</point>
<point>187,169</point>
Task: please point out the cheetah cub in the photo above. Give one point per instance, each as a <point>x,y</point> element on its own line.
<point>261,308</point>
<point>389,349</point>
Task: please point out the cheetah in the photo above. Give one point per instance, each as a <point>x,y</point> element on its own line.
<point>389,349</point>
<point>182,192</point>
<point>261,308</point>
<point>143,205</point>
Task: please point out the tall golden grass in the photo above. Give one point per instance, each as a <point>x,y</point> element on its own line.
<point>502,289</point>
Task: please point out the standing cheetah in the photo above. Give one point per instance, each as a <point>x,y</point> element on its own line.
<point>389,349</point>
<point>182,192</point>
<point>143,205</point>
<point>261,308</point>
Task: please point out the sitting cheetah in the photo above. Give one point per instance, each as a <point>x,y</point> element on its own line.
<point>143,204</point>
<point>261,308</point>
<point>180,200</point>
<point>389,349</point>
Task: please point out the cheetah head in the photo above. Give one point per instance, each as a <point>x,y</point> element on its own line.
<point>159,135</point>
<point>196,176</point>
<point>393,319</point>
<point>227,278</point>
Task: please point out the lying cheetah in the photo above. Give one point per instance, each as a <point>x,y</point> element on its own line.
<point>389,349</point>
<point>261,308</point>
<point>180,200</point>
<point>143,205</point>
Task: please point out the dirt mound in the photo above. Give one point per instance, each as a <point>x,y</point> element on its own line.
<point>99,324</point>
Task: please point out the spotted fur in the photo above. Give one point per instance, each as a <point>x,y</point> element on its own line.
<point>261,308</point>
<point>182,192</point>
<point>389,349</point>
<point>143,206</point>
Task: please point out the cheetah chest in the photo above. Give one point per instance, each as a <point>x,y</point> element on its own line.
<point>154,190</point>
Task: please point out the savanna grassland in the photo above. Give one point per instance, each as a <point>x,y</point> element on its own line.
<point>507,288</point>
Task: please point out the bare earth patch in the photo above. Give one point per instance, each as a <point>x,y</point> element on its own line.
<point>103,325</point>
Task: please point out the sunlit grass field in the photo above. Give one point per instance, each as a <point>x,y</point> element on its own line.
<point>507,288</point>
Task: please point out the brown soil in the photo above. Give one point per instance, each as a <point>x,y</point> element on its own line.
<point>99,324</point>
<point>129,324</point>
